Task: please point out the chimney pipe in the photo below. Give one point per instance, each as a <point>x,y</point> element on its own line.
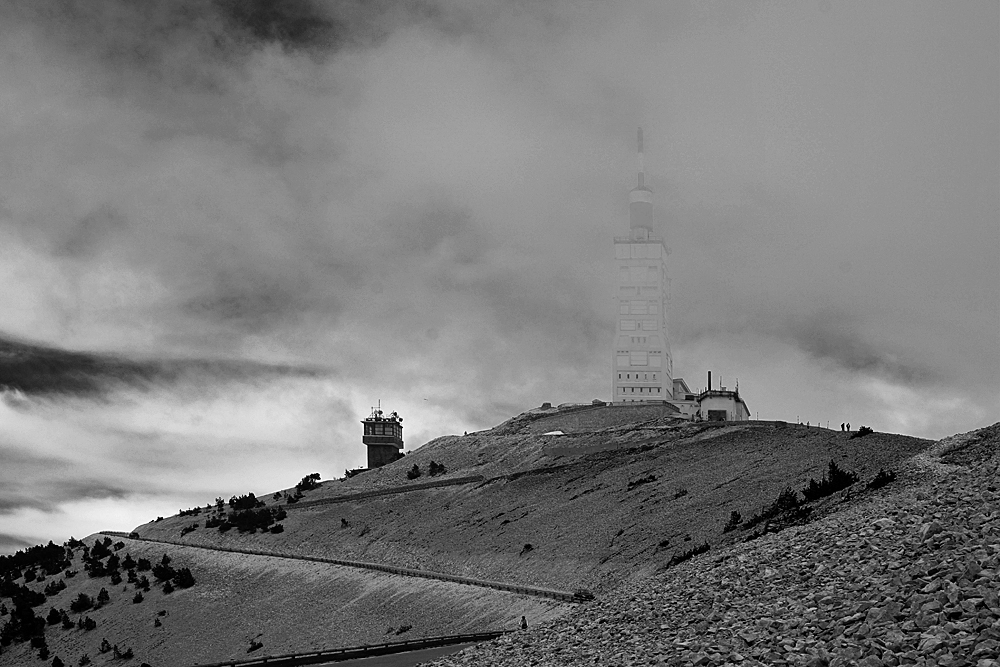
<point>710,380</point>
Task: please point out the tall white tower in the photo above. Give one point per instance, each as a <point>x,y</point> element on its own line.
<point>642,368</point>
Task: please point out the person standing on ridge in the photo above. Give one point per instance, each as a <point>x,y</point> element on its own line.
<point>524,623</point>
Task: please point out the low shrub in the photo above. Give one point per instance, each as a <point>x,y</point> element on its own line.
<point>687,555</point>
<point>53,587</point>
<point>413,472</point>
<point>835,479</point>
<point>583,594</point>
<point>247,502</point>
<point>861,432</point>
<point>277,528</point>
<point>680,493</point>
<point>163,572</point>
<point>734,522</point>
<point>437,469</point>
<point>883,478</point>
<point>83,602</point>
<point>308,483</point>
<point>639,482</point>
<point>404,628</point>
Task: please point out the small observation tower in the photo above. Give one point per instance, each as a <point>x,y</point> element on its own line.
<point>384,437</point>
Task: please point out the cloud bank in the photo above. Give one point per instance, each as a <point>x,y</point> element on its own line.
<point>418,199</point>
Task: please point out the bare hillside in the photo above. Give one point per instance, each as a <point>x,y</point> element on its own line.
<point>590,508</point>
<point>286,605</point>
<point>590,519</point>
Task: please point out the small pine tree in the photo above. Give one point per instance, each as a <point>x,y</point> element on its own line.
<point>183,578</point>
<point>56,662</point>
<point>168,588</point>
<point>103,597</point>
<point>787,500</point>
<point>414,472</point>
<point>137,598</point>
<point>83,602</point>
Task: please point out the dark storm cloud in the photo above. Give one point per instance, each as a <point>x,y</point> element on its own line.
<point>11,503</point>
<point>11,543</point>
<point>835,336</point>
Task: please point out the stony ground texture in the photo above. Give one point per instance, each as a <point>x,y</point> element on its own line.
<point>908,577</point>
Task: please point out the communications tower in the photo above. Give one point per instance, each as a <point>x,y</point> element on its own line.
<point>642,367</point>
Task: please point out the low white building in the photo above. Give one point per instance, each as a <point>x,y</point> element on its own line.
<point>722,405</point>
<point>684,400</point>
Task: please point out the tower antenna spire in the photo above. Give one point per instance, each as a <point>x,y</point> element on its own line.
<point>642,161</point>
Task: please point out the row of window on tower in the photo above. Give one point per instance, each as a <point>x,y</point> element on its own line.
<point>639,274</point>
<point>639,307</point>
<point>640,325</point>
<point>638,251</point>
<point>639,358</point>
<point>639,390</point>
<point>383,428</point>
<point>645,376</point>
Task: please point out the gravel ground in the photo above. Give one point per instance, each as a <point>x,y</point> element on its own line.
<point>908,577</point>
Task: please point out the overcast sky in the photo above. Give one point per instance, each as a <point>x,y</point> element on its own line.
<point>419,200</point>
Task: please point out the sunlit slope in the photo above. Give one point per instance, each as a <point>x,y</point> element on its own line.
<point>286,605</point>
<point>589,519</point>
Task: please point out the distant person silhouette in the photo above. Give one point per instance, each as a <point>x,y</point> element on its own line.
<point>524,623</point>
<point>848,426</point>
<point>841,426</point>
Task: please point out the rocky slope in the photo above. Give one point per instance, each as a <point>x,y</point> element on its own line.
<point>908,576</point>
